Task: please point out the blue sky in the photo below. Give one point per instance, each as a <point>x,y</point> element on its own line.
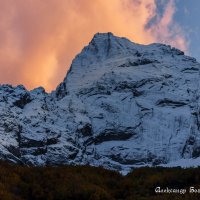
<point>188,16</point>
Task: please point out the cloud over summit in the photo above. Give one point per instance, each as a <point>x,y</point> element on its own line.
<point>39,38</point>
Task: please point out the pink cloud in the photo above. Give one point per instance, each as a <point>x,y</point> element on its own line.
<point>39,39</point>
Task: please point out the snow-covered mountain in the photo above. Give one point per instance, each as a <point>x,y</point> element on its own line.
<point>121,105</point>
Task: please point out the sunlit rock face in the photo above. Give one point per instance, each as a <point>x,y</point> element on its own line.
<point>121,105</point>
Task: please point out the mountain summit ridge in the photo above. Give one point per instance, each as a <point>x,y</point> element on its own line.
<point>122,105</point>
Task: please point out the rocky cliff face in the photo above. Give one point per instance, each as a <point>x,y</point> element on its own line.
<point>121,105</point>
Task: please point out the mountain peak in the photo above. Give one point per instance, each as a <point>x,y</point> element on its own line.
<point>121,105</point>
<point>105,45</point>
<point>101,44</point>
<point>106,48</point>
<point>103,35</point>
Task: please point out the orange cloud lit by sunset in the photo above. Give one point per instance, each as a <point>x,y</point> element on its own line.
<point>39,38</point>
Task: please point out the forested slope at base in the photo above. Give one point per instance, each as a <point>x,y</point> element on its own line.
<point>92,183</point>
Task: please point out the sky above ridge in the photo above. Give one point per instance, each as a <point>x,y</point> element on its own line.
<point>39,38</point>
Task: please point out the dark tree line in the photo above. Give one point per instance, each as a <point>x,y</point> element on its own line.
<point>91,183</point>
